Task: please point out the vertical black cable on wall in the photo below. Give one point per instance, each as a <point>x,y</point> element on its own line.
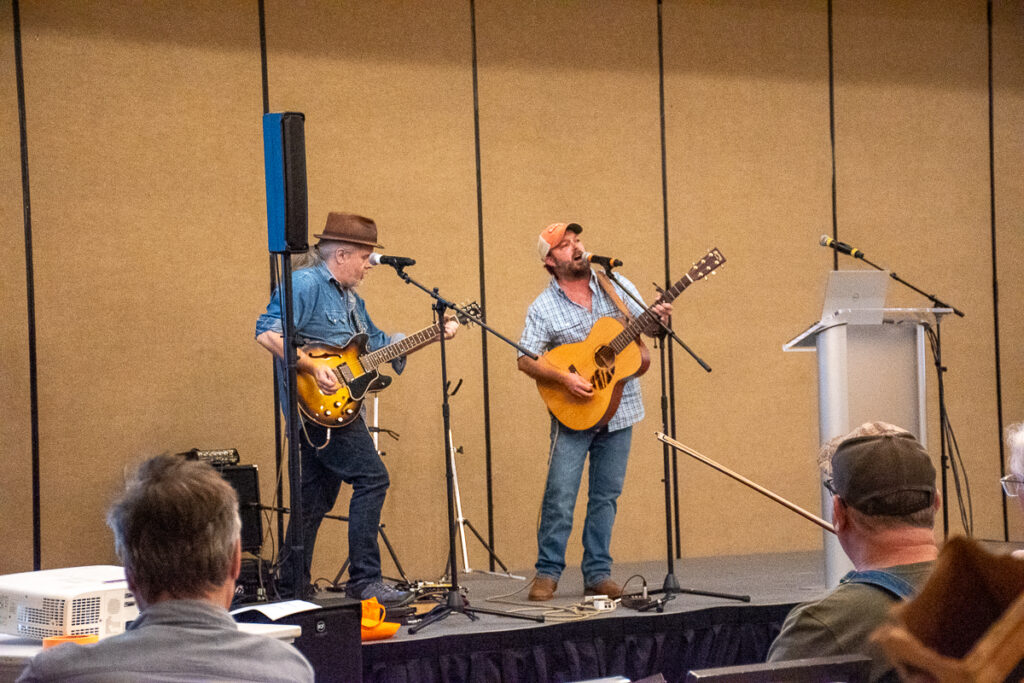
<point>483,290</point>
<point>261,8</point>
<point>33,390</point>
<point>832,133</point>
<point>995,270</point>
<point>668,277</point>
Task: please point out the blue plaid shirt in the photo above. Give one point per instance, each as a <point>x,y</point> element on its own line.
<point>554,319</point>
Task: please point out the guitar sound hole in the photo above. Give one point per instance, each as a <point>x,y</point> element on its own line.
<point>605,357</point>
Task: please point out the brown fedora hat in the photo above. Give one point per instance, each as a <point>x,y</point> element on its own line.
<point>348,227</point>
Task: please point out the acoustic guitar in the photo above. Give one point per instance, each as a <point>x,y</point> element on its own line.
<point>611,354</point>
<point>356,371</point>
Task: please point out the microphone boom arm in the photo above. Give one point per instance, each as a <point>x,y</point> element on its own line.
<point>843,248</point>
<point>743,480</point>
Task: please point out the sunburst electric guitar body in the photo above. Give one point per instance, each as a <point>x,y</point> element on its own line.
<point>356,372</point>
<point>611,354</point>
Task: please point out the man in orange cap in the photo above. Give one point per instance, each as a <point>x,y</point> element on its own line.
<point>327,309</point>
<point>564,313</point>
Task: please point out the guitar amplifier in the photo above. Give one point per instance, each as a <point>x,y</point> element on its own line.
<point>246,481</point>
<point>219,457</point>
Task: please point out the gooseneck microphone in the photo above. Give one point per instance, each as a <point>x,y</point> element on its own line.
<point>606,261</point>
<point>841,247</point>
<point>393,261</point>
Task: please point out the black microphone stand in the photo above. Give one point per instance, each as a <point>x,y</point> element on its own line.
<point>940,371</point>
<point>296,541</point>
<point>454,602</point>
<point>670,586</point>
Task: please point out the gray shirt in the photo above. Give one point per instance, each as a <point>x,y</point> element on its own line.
<point>174,640</point>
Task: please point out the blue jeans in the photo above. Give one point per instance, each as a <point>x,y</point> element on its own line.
<point>609,452</point>
<point>349,457</point>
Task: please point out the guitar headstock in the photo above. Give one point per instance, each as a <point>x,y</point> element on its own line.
<point>706,265</point>
<point>472,308</point>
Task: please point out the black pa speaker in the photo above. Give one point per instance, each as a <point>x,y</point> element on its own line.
<point>296,222</point>
<point>284,152</point>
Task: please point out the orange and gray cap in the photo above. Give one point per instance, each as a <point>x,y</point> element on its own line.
<point>552,235</point>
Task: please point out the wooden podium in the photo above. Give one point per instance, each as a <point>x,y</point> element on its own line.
<point>871,366</point>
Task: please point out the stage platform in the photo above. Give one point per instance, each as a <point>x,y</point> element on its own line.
<point>694,631</point>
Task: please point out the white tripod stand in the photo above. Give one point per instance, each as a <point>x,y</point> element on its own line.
<point>461,519</point>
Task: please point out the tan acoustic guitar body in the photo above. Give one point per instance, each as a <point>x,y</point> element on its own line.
<point>596,361</point>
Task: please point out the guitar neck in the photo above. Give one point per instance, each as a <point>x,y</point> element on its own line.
<point>401,347</point>
<point>635,328</point>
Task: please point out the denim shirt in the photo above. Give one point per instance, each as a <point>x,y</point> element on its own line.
<point>325,313</point>
<point>554,319</point>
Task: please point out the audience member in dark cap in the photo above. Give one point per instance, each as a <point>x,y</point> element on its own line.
<point>883,508</point>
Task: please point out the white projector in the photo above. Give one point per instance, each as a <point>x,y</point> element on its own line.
<point>66,602</point>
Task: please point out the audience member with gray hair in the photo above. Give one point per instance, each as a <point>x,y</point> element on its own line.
<point>177,532</point>
<point>883,508</point>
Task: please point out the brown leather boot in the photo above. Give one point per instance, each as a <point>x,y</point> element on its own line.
<point>606,587</point>
<point>543,589</point>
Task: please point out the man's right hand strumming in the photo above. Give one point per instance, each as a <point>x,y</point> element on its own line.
<point>577,386</point>
<point>324,376</point>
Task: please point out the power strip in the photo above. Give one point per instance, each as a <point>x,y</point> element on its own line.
<point>602,603</point>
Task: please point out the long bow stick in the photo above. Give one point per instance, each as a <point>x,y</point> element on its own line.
<point>743,480</point>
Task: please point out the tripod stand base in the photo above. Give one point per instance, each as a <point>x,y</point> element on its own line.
<point>456,603</point>
<point>671,587</point>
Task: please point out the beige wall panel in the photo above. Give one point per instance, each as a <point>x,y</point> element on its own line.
<point>1008,99</point>
<point>146,157</point>
<point>912,169</point>
<point>569,132</point>
<point>15,425</point>
<point>748,171</point>
<point>149,234</point>
<point>387,92</point>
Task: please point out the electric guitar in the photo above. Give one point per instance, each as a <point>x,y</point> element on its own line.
<point>355,369</point>
<point>610,355</point>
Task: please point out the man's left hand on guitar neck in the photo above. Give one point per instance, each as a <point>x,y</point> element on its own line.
<point>663,310</point>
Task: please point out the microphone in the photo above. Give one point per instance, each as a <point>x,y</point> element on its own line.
<point>393,261</point>
<point>606,261</point>
<point>841,247</point>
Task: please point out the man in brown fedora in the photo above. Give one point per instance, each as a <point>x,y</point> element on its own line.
<point>326,309</point>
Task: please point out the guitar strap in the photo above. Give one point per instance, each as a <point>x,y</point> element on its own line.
<point>606,285</point>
